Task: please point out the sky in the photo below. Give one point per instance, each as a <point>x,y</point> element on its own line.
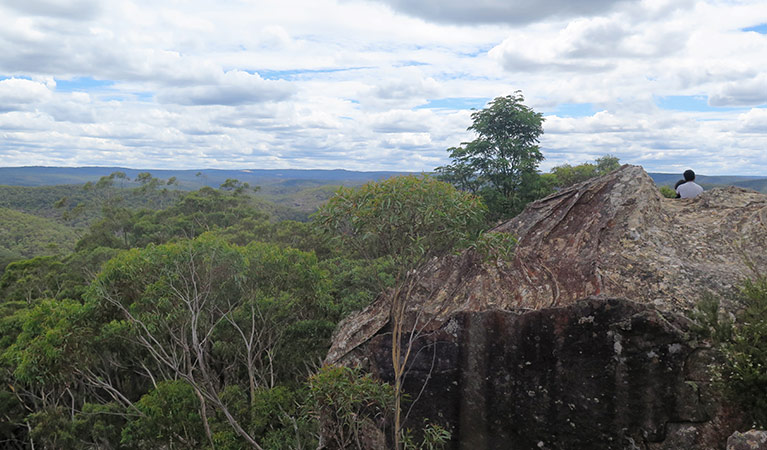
<point>379,84</point>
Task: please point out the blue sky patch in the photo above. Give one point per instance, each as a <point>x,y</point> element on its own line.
<point>293,74</point>
<point>477,52</point>
<point>456,103</point>
<point>684,102</point>
<point>128,97</point>
<point>761,29</point>
<point>82,84</point>
<point>411,64</point>
<point>144,96</point>
<point>573,110</point>
<point>18,77</point>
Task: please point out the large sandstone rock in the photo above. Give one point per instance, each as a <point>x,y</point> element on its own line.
<point>579,341</point>
<point>750,440</point>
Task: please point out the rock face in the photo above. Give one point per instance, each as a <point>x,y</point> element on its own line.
<point>597,374</point>
<point>578,341</point>
<point>750,440</point>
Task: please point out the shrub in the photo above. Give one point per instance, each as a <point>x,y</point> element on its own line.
<point>743,372</point>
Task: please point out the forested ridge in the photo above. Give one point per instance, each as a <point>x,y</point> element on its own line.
<point>76,374</point>
<point>24,236</point>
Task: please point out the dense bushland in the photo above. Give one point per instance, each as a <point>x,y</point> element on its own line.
<point>200,319</point>
<point>199,324</point>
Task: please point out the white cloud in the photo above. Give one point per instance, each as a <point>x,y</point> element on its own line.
<point>68,9</point>
<point>18,94</point>
<point>231,88</point>
<point>500,11</point>
<point>359,84</point>
<point>754,121</point>
<point>748,92</point>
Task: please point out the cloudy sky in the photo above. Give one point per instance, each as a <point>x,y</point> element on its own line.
<point>379,84</point>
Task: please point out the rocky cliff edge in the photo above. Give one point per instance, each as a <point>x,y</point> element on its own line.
<point>614,236</point>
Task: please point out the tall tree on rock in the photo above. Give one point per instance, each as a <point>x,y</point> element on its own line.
<point>501,163</point>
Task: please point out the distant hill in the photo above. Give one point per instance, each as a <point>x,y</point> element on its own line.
<point>26,236</point>
<point>294,193</point>
<point>273,181</point>
<point>41,201</point>
<point>288,179</point>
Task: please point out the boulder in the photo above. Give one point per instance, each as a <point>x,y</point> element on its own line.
<point>750,440</point>
<point>580,340</point>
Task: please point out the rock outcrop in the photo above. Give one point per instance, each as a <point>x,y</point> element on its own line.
<point>750,440</point>
<point>580,340</point>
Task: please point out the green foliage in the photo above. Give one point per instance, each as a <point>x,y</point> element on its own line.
<point>607,163</point>
<point>407,218</point>
<point>43,350</point>
<point>505,153</point>
<point>567,175</point>
<point>101,424</point>
<point>346,401</point>
<point>246,317</point>
<point>355,283</point>
<point>114,345</point>
<point>169,418</point>
<point>237,186</point>
<point>289,233</point>
<point>95,427</point>
<point>667,191</point>
<point>52,428</point>
<point>26,236</point>
<point>280,417</point>
<point>495,246</point>
<point>31,279</point>
<point>434,437</point>
<point>195,213</point>
<point>743,372</point>
<point>52,276</point>
<point>710,322</point>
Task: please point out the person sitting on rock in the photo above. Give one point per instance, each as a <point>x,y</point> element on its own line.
<point>676,186</point>
<point>689,189</point>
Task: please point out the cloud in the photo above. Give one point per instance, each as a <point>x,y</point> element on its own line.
<point>408,140</point>
<point>66,9</point>
<point>401,121</point>
<point>754,121</point>
<point>232,88</point>
<point>372,85</point>
<point>403,87</point>
<point>587,45</point>
<point>750,92</point>
<point>17,94</point>
<point>16,121</point>
<point>72,107</point>
<point>501,11</point>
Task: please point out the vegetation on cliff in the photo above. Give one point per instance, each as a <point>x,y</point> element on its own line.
<point>742,340</point>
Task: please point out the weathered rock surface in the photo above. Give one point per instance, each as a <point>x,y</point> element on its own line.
<point>750,440</point>
<point>578,341</point>
<point>597,374</point>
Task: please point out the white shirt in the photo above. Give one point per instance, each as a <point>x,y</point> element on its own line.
<point>689,190</point>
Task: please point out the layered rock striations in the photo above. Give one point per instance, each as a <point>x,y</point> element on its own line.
<point>579,341</point>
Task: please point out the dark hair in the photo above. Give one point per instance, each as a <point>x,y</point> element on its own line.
<point>689,175</point>
<point>678,183</point>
